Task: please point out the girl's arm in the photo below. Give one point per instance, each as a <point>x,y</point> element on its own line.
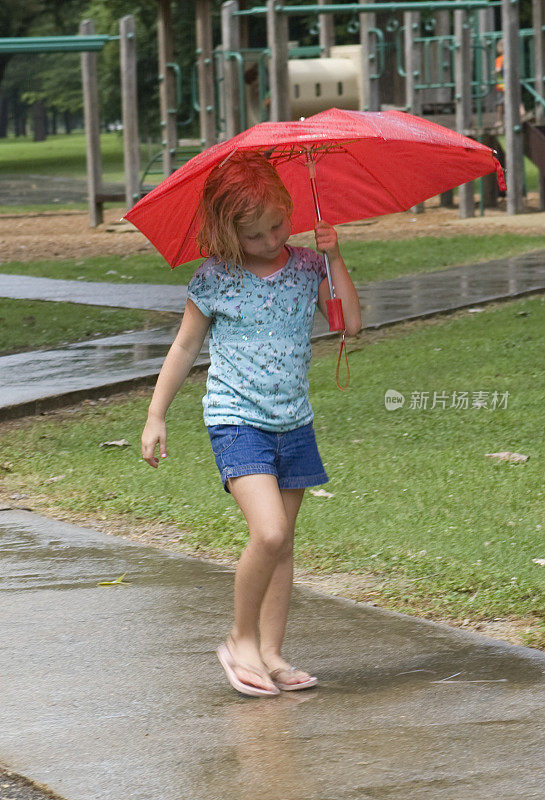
<point>326,241</point>
<point>176,366</point>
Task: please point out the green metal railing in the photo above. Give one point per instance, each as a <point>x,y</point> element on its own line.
<point>357,8</point>
<point>533,92</point>
<point>445,47</point>
<point>180,154</point>
<point>55,44</point>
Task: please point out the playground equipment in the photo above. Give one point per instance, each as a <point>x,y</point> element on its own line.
<point>88,44</point>
<point>129,108</point>
<point>316,84</point>
<point>427,57</point>
<point>433,59</point>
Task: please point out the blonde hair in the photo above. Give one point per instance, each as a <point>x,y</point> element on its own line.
<point>236,193</point>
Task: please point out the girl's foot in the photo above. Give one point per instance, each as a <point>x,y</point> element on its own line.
<point>283,673</point>
<point>244,654</point>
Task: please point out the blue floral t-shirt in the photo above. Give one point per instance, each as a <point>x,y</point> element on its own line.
<point>259,340</point>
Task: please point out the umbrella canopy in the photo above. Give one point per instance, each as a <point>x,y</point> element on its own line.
<point>368,164</point>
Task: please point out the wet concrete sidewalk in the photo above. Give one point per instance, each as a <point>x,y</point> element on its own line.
<point>382,301</point>
<point>34,381</point>
<point>115,691</point>
<point>18,189</point>
<point>155,297</point>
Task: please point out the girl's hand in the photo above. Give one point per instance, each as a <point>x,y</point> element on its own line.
<point>154,432</point>
<point>326,239</point>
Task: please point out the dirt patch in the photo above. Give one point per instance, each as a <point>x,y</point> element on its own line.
<point>21,788</point>
<point>66,234</point>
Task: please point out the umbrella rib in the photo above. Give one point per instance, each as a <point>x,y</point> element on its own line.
<point>363,166</point>
<point>181,247</point>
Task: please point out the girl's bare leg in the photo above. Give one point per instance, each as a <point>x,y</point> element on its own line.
<point>276,602</point>
<point>261,503</point>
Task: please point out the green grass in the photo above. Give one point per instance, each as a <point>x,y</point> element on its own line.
<point>530,170</point>
<point>131,268</point>
<point>367,261</point>
<point>444,530</point>
<point>65,156</point>
<point>34,324</point>
<point>379,260</point>
<point>52,208</point>
<point>60,155</point>
<point>532,176</point>
<point>48,325</point>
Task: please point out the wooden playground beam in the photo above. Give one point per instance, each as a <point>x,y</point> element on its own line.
<point>131,148</point>
<point>326,32</point>
<point>167,95</point>
<point>129,109</point>
<point>205,66</point>
<point>370,100</point>
<point>538,18</point>
<point>278,43</point>
<point>92,128</point>
<point>514,159</point>
<point>463,71</point>
<point>413,70</point>
<point>230,34</point>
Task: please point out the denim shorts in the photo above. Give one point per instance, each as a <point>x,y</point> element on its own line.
<point>292,456</point>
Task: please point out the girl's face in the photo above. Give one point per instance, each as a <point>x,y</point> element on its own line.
<point>263,241</point>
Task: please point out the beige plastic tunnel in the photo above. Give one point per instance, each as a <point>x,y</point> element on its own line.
<point>317,84</point>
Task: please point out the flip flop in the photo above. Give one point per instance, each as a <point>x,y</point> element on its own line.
<point>290,687</point>
<point>227,662</point>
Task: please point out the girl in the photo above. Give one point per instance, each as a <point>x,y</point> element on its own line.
<point>257,295</point>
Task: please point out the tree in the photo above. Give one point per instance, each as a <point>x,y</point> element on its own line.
<point>32,18</point>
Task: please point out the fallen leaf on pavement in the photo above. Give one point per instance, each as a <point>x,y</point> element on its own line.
<point>115,582</point>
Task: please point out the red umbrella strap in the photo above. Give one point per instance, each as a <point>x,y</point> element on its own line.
<point>501,178</point>
<point>343,344</point>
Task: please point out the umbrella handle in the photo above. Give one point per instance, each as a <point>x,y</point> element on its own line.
<point>334,304</point>
<point>335,314</point>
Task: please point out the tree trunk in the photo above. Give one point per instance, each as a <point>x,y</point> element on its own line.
<point>67,122</point>
<point>19,117</point>
<point>39,121</point>
<point>4,105</point>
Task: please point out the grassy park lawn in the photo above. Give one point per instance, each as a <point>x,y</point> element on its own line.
<point>367,261</point>
<point>440,529</point>
<point>63,156</point>
<point>60,155</point>
<point>34,324</point>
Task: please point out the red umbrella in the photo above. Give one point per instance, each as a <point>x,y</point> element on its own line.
<point>369,164</point>
<point>377,163</point>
